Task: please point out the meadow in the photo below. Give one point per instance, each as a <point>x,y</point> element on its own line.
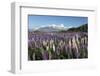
<point>57,45</point>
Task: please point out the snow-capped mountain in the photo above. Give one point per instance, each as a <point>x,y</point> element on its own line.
<point>52,28</point>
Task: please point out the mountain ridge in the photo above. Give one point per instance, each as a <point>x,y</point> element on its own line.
<point>82,28</point>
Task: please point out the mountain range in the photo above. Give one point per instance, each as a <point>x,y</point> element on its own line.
<point>82,28</point>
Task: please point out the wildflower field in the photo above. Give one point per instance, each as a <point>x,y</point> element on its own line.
<point>47,46</point>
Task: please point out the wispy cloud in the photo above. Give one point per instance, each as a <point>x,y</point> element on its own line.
<point>58,26</point>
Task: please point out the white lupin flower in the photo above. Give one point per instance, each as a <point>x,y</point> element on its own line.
<point>47,47</point>
<point>50,55</point>
<point>86,40</point>
<point>51,41</point>
<point>33,56</point>
<point>70,43</point>
<point>44,43</point>
<point>60,43</point>
<point>75,44</point>
<point>82,40</point>
<point>53,47</point>
<point>77,39</point>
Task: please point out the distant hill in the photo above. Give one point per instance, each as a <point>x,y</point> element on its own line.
<point>82,28</point>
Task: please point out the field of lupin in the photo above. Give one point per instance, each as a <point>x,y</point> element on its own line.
<point>57,45</point>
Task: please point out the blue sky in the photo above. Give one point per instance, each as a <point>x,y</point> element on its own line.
<point>36,21</point>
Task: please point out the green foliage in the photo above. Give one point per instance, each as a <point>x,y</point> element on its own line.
<point>82,28</point>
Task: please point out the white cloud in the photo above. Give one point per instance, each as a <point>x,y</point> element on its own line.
<point>59,26</point>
